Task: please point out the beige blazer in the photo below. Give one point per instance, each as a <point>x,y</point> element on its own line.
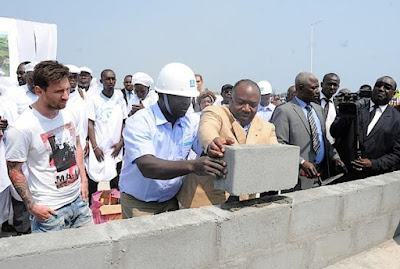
<point>218,121</point>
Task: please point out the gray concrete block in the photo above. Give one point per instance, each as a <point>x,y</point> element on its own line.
<point>331,248</point>
<point>391,196</point>
<point>253,228</point>
<point>314,211</point>
<point>289,256</point>
<point>97,257</point>
<point>394,228</point>
<point>55,242</point>
<point>372,233</point>
<point>361,201</point>
<point>259,168</point>
<point>181,239</point>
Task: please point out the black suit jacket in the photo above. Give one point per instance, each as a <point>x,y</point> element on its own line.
<point>381,146</point>
<point>124,94</point>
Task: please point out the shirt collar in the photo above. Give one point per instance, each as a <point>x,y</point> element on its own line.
<point>301,102</point>
<point>372,104</point>
<point>269,107</point>
<point>322,96</point>
<point>246,127</point>
<point>160,118</point>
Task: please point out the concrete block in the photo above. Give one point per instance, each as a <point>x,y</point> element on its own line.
<point>181,239</point>
<point>259,168</point>
<point>391,197</point>
<point>331,248</point>
<point>87,257</point>
<point>394,228</point>
<point>372,233</point>
<point>314,211</point>
<point>36,250</point>
<point>253,228</point>
<point>361,201</point>
<point>286,256</point>
<point>289,256</point>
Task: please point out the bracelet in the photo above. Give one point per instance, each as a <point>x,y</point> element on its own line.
<point>95,148</point>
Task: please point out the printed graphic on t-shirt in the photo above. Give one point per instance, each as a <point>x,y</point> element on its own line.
<point>60,143</point>
<point>105,114</point>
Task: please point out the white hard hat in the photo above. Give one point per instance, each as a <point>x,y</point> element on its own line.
<point>73,69</point>
<point>30,67</point>
<point>265,87</point>
<point>86,69</point>
<point>177,79</point>
<point>142,78</point>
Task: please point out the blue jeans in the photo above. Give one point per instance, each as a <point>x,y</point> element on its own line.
<point>74,215</point>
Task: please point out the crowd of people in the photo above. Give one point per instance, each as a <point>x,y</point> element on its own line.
<point>62,134</point>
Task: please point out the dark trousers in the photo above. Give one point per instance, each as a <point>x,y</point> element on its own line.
<point>21,221</point>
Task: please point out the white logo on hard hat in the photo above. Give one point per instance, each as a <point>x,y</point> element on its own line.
<point>192,83</point>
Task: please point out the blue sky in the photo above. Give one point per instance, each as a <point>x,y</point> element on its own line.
<point>225,40</point>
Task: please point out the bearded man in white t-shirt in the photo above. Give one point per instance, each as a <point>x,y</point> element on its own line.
<point>46,138</point>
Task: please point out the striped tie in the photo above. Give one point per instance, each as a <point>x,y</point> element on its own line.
<point>314,131</point>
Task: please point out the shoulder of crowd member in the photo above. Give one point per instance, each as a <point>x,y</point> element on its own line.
<point>219,110</point>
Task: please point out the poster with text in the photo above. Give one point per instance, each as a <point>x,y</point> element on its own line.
<point>4,55</point>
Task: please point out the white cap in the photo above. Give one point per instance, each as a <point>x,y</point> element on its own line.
<point>142,78</point>
<point>177,79</point>
<point>29,67</point>
<point>86,69</point>
<point>265,87</point>
<point>73,69</point>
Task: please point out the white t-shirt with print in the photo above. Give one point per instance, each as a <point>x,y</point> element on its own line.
<point>48,146</point>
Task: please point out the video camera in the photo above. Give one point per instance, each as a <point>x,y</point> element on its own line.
<point>351,103</point>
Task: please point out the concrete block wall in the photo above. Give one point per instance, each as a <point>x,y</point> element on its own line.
<point>308,229</point>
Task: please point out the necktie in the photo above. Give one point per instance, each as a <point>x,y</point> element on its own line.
<point>326,107</point>
<point>314,131</point>
<point>372,113</point>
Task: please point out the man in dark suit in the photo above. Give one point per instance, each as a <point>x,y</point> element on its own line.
<point>127,91</point>
<point>301,123</point>
<point>329,86</point>
<point>379,134</point>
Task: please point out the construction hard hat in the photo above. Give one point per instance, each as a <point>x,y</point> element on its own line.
<point>142,78</point>
<point>86,69</point>
<point>30,67</point>
<point>177,79</point>
<point>265,87</point>
<point>73,69</point>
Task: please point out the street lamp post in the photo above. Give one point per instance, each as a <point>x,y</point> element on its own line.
<point>312,43</point>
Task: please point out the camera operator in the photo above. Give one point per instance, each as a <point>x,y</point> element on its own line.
<point>367,132</point>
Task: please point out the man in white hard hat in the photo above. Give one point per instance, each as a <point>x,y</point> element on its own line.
<point>142,96</point>
<point>25,95</point>
<point>85,77</point>
<point>21,73</point>
<point>158,140</point>
<point>73,79</point>
<point>76,104</point>
<point>87,83</point>
<point>265,108</point>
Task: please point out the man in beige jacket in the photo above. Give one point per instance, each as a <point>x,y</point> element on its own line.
<point>222,125</point>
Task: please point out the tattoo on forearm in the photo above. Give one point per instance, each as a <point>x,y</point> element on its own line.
<point>21,185</point>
